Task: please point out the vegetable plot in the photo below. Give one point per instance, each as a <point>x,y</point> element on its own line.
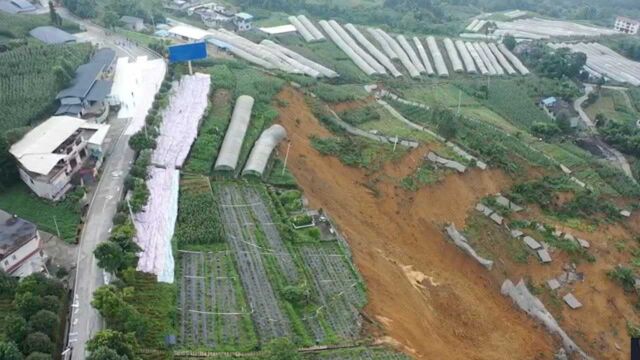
<point>212,311</point>
<point>337,288</point>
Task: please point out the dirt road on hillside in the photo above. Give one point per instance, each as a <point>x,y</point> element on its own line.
<point>430,298</point>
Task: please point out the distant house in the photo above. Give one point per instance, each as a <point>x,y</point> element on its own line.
<point>89,89</point>
<point>242,21</point>
<point>16,6</point>
<point>555,106</point>
<point>188,33</point>
<point>52,35</point>
<point>625,25</point>
<point>19,244</point>
<point>53,152</point>
<point>132,23</point>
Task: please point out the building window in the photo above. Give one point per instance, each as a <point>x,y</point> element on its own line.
<point>6,262</point>
<point>83,153</point>
<point>13,257</point>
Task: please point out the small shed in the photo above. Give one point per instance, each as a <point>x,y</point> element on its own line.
<point>242,20</point>
<point>52,35</point>
<point>132,23</point>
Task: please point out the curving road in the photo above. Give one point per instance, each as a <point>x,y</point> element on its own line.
<point>614,156</point>
<point>85,321</point>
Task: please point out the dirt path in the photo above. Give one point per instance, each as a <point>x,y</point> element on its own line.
<point>614,156</point>
<point>433,301</point>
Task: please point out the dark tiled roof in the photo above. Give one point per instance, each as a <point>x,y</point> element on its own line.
<point>104,56</point>
<point>23,5</point>
<point>51,35</point>
<point>72,110</point>
<point>86,75</point>
<point>100,90</point>
<point>14,231</point>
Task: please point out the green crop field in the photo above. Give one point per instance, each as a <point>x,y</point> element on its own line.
<point>21,201</point>
<point>28,83</point>
<point>614,106</point>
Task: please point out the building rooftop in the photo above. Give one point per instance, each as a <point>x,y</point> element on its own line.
<point>99,90</point>
<point>14,232</point>
<point>549,101</point>
<point>244,16</point>
<point>189,32</point>
<point>87,74</point>
<point>629,20</point>
<point>51,35</point>
<point>16,6</point>
<point>35,151</point>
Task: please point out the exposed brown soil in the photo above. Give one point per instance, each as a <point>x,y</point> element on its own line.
<point>432,301</point>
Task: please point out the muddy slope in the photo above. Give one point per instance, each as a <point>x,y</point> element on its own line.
<point>432,301</point>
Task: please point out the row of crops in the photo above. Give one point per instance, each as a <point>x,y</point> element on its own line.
<point>30,78</point>
<point>358,354</point>
<point>212,312</point>
<point>265,267</point>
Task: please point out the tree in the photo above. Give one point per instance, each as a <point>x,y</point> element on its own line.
<point>122,344</point>
<point>110,18</point>
<point>53,15</point>
<point>510,42</point>
<point>9,351</point>
<point>104,353</point>
<point>297,295</point>
<point>51,303</point>
<point>110,256</point>
<point>62,78</point>
<point>45,322</point>
<point>27,304</point>
<point>112,304</point>
<point>39,356</point>
<point>8,283</point>
<point>281,349</point>
<point>15,328</point>
<point>38,342</point>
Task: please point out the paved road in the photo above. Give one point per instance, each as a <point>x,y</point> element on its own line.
<point>614,156</point>
<point>85,320</point>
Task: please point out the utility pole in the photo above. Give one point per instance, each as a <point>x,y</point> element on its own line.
<point>286,158</point>
<point>459,100</point>
<point>57,229</point>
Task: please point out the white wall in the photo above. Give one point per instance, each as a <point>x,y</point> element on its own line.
<point>21,254</point>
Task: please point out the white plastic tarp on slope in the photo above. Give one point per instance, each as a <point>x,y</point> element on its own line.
<point>476,57</point>
<point>262,149</point>
<point>333,35</point>
<point>485,59</point>
<point>180,120</point>
<point>438,59</point>
<point>535,308</point>
<point>466,57</point>
<point>381,57</point>
<point>352,43</point>
<point>135,85</point>
<point>324,71</point>
<point>412,54</point>
<point>453,55</point>
<point>503,60</point>
<point>404,59</point>
<point>306,34</point>
<point>423,55</point>
<point>311,27</point>
<point>233,139</point>
<point>156,223</point>
<point>386,47</point>
<point>494,61</point>
<point>514,60</point>
<point>462,243</point>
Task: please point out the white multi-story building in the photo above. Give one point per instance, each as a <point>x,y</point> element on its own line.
<point>19,243</point>
<point>626,25</point>
<point>52,153</point>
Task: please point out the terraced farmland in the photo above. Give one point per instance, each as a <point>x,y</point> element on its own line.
<point>358,354</point>
<point>265,222</point>
<point>212,309</point>
<point>336,287</point>
<point>268,317</point>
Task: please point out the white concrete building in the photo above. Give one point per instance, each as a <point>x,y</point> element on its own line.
<point>242,21</point>
<point>626,25</point>
<point>19,243</point>
<point>53,152</point>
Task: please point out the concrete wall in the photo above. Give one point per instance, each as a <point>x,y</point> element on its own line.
<point>12,261</point>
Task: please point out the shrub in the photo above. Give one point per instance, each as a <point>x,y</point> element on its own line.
<point>38,342</point>
<point>624,276</point>
<point>360,116</point>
